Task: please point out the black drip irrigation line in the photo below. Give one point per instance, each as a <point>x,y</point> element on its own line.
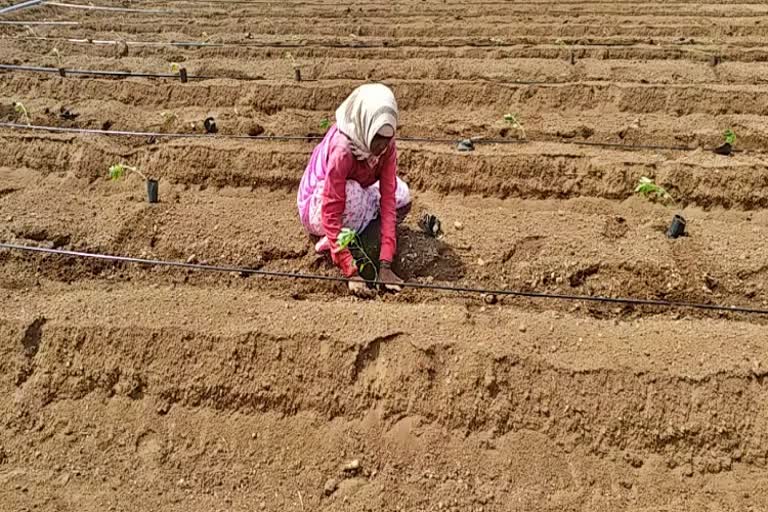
<point>36,23</point>
<point>361,45</point>
<point>110,9</point>
<point>19,6</point>
<point>122,74</point>
<point>428,140</point>
<point>419,286</point>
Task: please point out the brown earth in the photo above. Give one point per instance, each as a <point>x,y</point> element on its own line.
<point>130,387</point>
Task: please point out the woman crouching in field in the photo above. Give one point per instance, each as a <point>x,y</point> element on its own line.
<point>352,178</point>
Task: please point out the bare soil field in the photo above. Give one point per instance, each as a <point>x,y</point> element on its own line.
<point>142,388</point>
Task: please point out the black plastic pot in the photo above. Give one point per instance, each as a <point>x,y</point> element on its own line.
<point>677,228</point>
<point>62,73</point>
<point>725,149</point>
<point>183,75</point>
<point>297,74</point>
<point>210,125</point>
<point>152,191</point>
<point>431,225</point>
<point>466,145</point>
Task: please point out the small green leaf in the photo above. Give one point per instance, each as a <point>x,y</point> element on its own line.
<point>345,238</point>
<point>730,136</point>
<point>647,188</point>
<point>116,171</point>
<point>325,123</point>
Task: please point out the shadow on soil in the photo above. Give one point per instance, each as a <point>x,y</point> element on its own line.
<point>419,255</point>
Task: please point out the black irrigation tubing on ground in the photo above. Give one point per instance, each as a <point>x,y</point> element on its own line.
<point>126,133</point>
<point>478,140</point>
<point>19,6</point>
<point>110,9</point>
<point>36,23</point>
<point>126,74</point>
<point>360,45</point>
<point>419,286</point>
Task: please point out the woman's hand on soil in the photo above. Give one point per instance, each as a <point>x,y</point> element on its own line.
<point>392,281</point>
<point>359,288</point>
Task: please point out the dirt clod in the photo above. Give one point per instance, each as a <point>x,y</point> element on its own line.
<point>330,486</point>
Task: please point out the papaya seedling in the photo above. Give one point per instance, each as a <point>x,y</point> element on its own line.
<point>169,118</point>
<point>56,52</point>
<point>516,124</point>
<point>176,69</point>
<point>119,170</point>
<point>22,110</point>
<point>730,141</point>
<point>649,189</point>
<point>348,239</point>
<point>571,54</point>
<point>295,66</point>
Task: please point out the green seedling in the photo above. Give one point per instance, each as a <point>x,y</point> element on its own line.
<point>514,122</point>
<point>730,137</point>
<point>22,110</point>
<point>175,68</point>
<point>56,52</point>
<point>348,239</point>
<point>169,118</point>
<point>647,188</point>
<point>568,48</point>
<point>295,66</point>
<point>117,171</point>
<point>290,57</point>
<point>325,123</point>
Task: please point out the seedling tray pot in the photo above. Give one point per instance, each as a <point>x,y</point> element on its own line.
<point>677,228</point>
<point>465,145</point>
<point>152,191</point>
<point>725,149</point>
<point>297,74</point>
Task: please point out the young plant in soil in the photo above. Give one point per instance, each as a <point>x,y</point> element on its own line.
<point>22,110</point>
<point>169,118</point>
<point>516,124</point>
<point>647,188</point>
<point>117,171</point>
<point>571,54</point>
<point>325,123</point>
<point>348,239</point>
<point>176,69</point>
<point>295,66</point>
<point>56,52</point>
<point>727,147</point>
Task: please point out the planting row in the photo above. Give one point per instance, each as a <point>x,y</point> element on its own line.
<point>224,23</point>
<point>274,96</point>
<point>283,65</point>
<point>537,170</point>
<point>694,398</point>
<point>518,48</point>
<point>584,246</point>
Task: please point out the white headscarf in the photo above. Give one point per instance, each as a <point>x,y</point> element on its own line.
<point>369,110</point>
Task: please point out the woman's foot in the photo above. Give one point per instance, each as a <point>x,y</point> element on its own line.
<point>323,245</point>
